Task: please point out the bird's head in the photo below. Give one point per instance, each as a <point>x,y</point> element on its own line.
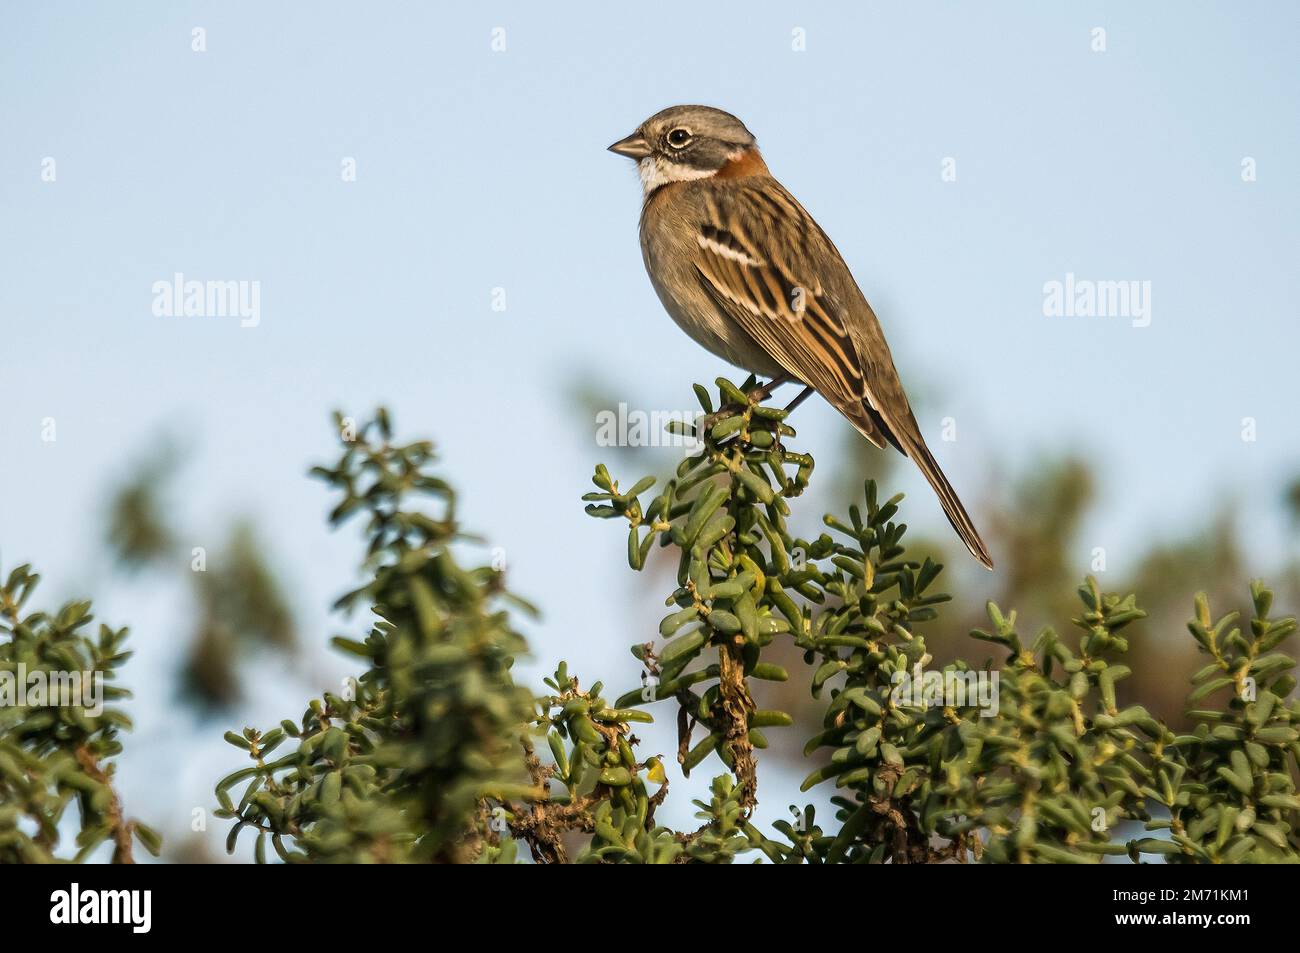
<point>690,142</point>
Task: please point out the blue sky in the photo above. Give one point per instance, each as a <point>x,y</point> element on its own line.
<point>479,169</point>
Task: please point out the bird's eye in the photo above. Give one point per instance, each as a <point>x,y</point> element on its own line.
<point>679,137</point>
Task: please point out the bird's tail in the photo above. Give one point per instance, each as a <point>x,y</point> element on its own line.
<point>910,442</point>
<point>920,455</point>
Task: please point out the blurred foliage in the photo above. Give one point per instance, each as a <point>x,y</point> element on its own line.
<point>1292,500</point>
<point>1037,533</point>
<point>138,532</point>
<point>241,606</point>
<point>239,590</point>
<point>58,735</point>
<point>241,609</point>
<point>208,679</point>
<point>435,754</point>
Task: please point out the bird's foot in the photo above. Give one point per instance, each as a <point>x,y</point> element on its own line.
<point>704,424</point>
<point>803,395</point>
<point>759,394</point>
<point>753,397</point>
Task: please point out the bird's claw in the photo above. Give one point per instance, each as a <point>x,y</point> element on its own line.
<point>706,423</point>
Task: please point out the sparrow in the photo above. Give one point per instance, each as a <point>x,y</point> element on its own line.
<point>744,270</point>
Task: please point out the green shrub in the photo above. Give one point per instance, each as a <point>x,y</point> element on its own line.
<point>58,735</point>
<point>435,754</point>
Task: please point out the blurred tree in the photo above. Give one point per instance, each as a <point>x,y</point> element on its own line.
<point>241,607</point>
<point>138,531</point>
<point>239,590</point>
<point>1037,529</point>
<point>208,679</point>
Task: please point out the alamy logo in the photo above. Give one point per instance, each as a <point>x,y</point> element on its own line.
<point>42,688</point>
<point>1085,298</point>
<point>640,428</point>
<point>179,298</point>
<point>73,906</point>
<point>947,689</point>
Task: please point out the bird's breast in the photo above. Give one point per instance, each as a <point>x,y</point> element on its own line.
<point>669,241</point>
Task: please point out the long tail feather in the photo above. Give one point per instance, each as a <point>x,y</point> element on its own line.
<point>952,508</point>
<point>872,427</point>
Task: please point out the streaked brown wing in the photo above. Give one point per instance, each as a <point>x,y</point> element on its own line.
<point>768,265</point>
<point>756,254</point>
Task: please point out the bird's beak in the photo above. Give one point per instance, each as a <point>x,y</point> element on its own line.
<point>634,147</point>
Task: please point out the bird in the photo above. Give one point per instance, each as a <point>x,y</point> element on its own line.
<point>744,270</point>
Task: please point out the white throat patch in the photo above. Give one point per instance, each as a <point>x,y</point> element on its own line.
<point>656,172</point>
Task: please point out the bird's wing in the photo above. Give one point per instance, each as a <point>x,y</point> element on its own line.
<point>766,263</point>
<point>758,254</point>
